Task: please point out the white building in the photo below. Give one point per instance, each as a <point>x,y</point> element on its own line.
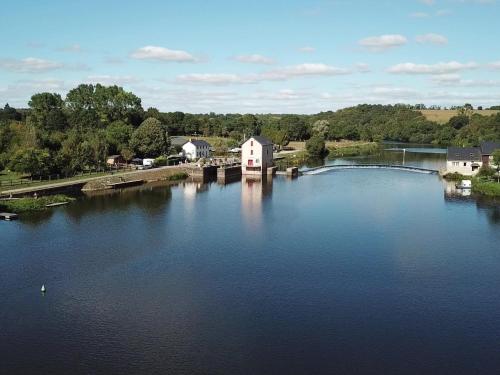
<point>194,150</point>
<point>464,160</point>
<point>256,156</point>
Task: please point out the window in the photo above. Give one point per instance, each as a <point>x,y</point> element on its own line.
<point>251,143</point>
<point>455,163</point>
<point>251,152</point>
<point>465,164</point>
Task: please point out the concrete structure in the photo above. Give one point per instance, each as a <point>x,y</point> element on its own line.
<point>487,150</point>
<point>464,160</point>
<point>256,156</point>
<point>194,150</point>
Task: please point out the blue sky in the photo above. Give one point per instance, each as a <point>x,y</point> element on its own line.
<point>256,56</point>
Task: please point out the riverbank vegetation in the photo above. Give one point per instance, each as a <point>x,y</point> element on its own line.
<point>64,136</point>
<point>29,204</point>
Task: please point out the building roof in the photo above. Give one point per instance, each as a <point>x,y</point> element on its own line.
<point>176,140</point>
<point>199,143</point>
<point>262,140</point>
<point>464,154</point>
<point>487,148</point>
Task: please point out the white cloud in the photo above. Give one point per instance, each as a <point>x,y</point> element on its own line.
<point>307,49</point>
<point>383,42</point>
<point>29,65</point>
<point>494,65</point>
<point>162,54</point>
<point>213,78</point>
<point>439,68</point>
<point>431,38</point>
<point>278,74</point>
<point>254,59</point>
<point>428,2</point>
<point>112,80</point>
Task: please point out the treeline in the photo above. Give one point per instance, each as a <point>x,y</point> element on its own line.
<point>56,135</point>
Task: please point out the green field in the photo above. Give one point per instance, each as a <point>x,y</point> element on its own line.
<point>442,116</point>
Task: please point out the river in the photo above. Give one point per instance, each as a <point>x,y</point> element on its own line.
<point>354,271</point>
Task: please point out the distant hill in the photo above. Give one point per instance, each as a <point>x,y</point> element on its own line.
<point>442,116</point>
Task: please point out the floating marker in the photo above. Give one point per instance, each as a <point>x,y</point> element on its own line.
<point>43,288</point>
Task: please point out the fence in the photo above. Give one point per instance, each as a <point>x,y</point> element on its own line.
<point>61,176</point>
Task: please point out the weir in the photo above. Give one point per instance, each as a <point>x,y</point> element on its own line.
<point>323,169</point>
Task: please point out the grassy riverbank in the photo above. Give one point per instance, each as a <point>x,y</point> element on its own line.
<point>30,204</point>
<point>349,149</point>
<point>486,187</point>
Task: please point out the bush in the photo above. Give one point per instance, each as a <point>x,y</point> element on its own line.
<point>315,146</point>
<point>486,172</point>
<point>455,177</point>
<point>489,188</point>
<point>161,161</point>
<point>178,176</point>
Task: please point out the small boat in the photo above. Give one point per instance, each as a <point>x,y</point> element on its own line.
<point>464,184</point>
<point>43,289</point>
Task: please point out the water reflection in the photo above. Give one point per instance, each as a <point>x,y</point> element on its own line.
<point>486,205</point>
<point>254,191</point>
<point>150,198</point>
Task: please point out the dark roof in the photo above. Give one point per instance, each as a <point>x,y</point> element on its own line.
<point>199,143</point>
<point>262,140</point>
<point>487,148</point>
<point>178,140</point>
<point>464,153</point>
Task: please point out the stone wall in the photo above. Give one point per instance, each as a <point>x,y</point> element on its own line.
<point>155,174</point>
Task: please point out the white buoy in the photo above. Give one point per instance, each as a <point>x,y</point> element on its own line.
<point>43,288</point>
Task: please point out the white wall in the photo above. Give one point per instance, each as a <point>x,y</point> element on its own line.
<point>261,157</point>
<point>462,167</point>
<point>193,153</point>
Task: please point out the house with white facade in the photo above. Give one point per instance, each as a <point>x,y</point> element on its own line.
<point>194,149</point>
<point>464,160</point>
<point>256,156</point>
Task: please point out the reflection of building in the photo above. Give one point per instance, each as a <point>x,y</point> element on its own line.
<point>254,190</point>
<point>463,160</point>
<point>256,156</point>
<point>194,149</point>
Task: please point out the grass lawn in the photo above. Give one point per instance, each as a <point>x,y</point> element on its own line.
<point>11,176</point>
<point>442,116</point>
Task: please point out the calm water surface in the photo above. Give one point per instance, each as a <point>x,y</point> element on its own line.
<point>359,271</point>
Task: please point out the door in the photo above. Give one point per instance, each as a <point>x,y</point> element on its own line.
<point>250,163</point>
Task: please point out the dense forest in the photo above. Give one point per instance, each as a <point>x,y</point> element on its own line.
<point>56,135</point>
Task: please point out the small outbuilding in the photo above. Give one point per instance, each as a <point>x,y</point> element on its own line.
<point>196,149</point>
<point>115,160</point>
<point>487,150</point>
<point>256,156</point>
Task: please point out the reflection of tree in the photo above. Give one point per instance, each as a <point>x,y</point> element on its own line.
<point>150,198</point>
<point>36,218</point>
<point>491,207</point>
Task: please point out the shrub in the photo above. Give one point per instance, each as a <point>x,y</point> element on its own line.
<point>455,177</point>
<point>315,146</point>
<point>486,172</point>
<point>161,161</point>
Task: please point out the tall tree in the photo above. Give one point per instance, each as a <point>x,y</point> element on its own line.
<point>150,139</point>
<point>47,112</point>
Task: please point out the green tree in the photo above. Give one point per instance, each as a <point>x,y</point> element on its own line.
<point>321,127</point>
<point>315,146</point>
<point>118,135</point>
<point>150,139</point>
<point>47,112</point>
<point>33,161</point>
